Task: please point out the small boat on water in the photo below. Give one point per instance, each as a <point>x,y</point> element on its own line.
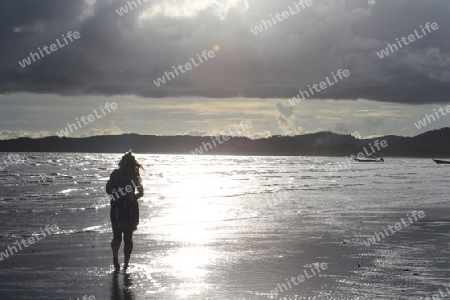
<point>441,162</point>
<point>375,160</point>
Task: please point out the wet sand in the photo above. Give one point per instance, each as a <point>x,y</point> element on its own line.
<point>405,264</point>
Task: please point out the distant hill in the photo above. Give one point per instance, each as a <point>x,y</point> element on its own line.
<point>436,142</point>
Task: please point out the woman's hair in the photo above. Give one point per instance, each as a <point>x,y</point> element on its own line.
<point>129,164</point>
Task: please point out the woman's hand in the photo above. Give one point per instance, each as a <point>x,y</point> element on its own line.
<point>140,191</point>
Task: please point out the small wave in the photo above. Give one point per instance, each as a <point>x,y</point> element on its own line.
<point>32,181</point>
<point>38,197</point>
<point>29,196</point>
<point>73,208</point>
<point>7,199</point>
<point>69,190</point>
<point>93,229</point>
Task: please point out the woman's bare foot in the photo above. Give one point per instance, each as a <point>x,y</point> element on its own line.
<point>116,264</point>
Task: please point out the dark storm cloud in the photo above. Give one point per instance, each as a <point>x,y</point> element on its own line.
<point>124,54</point>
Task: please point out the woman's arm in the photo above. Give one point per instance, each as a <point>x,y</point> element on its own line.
<point>111,185</point>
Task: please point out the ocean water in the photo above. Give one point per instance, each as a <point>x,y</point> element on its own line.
<point>227,227</point>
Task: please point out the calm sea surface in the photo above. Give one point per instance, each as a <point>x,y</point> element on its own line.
<point>224,227</point>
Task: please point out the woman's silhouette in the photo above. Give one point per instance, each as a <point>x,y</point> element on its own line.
<point>121,187</point>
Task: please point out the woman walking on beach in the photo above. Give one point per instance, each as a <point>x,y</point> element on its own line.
<point>121,188</point>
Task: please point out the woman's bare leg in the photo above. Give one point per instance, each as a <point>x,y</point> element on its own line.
<point>128,247</point>
<point>115,245</point>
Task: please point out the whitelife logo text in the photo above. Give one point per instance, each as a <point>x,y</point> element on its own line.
<point>53,47</point>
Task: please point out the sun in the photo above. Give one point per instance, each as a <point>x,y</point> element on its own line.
<point>216,48</point>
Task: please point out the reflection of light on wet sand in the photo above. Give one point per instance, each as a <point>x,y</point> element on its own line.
<point>187,224</point>
<point>189,265</point>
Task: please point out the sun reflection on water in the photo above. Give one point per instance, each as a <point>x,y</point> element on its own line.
<point>191,214</point>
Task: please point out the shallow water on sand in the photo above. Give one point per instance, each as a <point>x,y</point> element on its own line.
<point>223,227</point>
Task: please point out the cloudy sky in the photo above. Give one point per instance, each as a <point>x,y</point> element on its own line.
<point>251,77</point>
